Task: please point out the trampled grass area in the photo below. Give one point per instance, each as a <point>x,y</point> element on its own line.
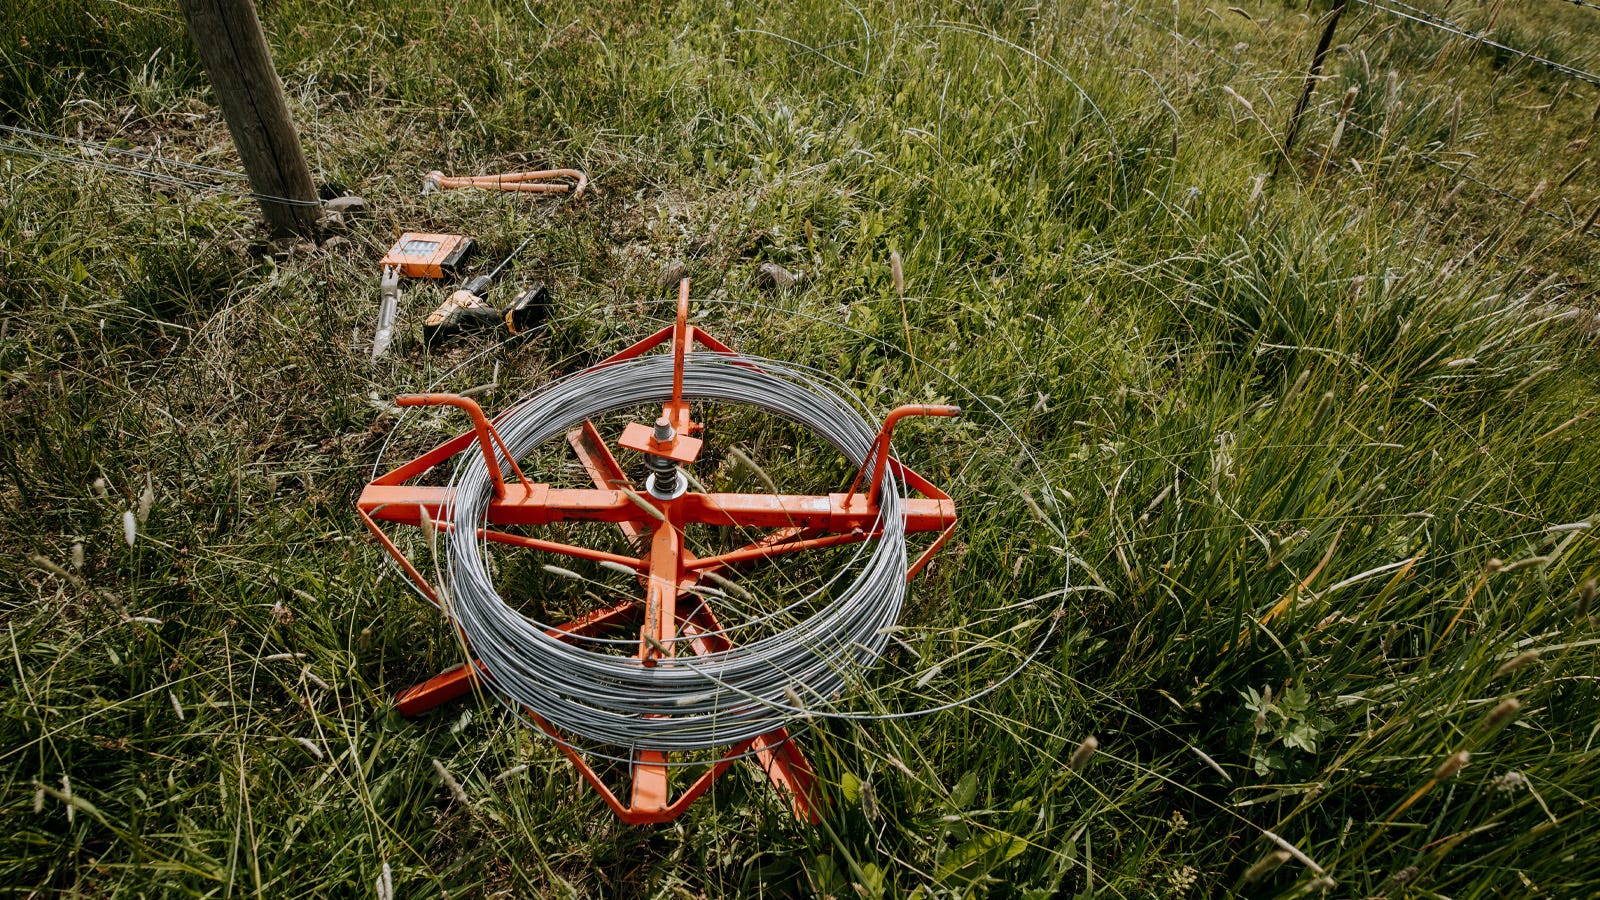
<point>1321,447</point>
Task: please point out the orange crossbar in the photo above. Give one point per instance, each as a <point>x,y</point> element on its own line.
<point>540,504</point>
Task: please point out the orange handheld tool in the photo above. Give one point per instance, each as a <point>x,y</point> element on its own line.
<point>420,255</point>
<point>544,181</point>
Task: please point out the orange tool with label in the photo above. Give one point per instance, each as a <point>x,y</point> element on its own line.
<point>420,255</point>
<point>416,255</point>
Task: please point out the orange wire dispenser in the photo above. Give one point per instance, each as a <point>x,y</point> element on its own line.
<point>544,181</point>
<point>667,568</point>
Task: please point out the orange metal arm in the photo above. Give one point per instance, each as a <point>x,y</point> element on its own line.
<point>880,445</point>
<point>487,436</point>
<point>767,551</point>
<point>589,553</point>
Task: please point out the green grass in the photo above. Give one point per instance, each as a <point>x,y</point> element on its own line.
<point>1321,447</point>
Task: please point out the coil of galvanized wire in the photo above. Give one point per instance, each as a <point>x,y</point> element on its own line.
<point>684,702</point>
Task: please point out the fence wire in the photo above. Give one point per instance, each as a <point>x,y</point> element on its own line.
<point>1584,228</point>
<point>1422,16</point>
<point>146,174</point>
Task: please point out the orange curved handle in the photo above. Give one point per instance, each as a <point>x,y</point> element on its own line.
<point>542,181</point>
<point>880,445</point>
<point>488,438</point>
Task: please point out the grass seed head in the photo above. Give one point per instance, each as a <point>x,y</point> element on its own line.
<point>898,763</point>
<point>643,504</point>
<point>1515,663</point>
<point>1509,783</point>
<point>564,573</point>
<point>429,529</point>
<point>1265,866</point>
<point>1250,107</point>
<point>1586,593</point>
<point>897,272</point>
<point>147,499</point>
<point>1448,769</point>
<point>130,527</point>
<point>514,770</point>
<point>1401,877</point>
<point>49,565</point>
<point>730,586</point>
<point>795,702</point>
<point>1081,756</point>
<point>1323,405</point>
<point>77,556</point>
<point>750,465</point>
<point>869,801</point>
<point>1502,714</point>
<point>450,783</point>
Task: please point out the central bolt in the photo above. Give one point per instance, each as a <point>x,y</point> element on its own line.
<point>666,481</point>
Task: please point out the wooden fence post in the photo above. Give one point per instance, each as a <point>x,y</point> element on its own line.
<point>234,51</point>
<point>1312,76</point>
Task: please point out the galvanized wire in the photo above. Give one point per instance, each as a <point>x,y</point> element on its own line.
<point>683,703</point>
<point>866,706</point>
<point>98,147</point>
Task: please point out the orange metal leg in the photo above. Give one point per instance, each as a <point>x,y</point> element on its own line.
<point>649,782</point>
<point>780,758</point>
<point>439,689</point>
<point>776,753</point>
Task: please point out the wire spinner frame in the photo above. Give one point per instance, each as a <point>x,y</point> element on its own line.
<point>653,521</point>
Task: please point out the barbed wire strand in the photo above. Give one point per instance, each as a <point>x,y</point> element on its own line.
<point>1424,17</point>
<point>1457,171</point>
<point>146,174</point>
